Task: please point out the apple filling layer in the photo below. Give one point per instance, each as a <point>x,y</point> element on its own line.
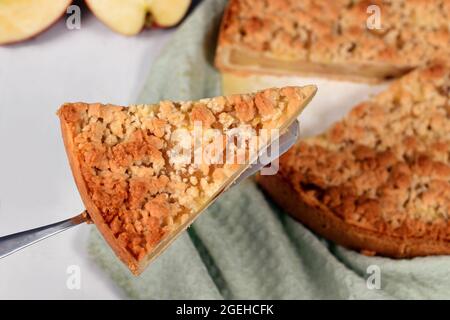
<point>240,60</point>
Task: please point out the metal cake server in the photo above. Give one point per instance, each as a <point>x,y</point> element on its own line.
<point>17,241</point>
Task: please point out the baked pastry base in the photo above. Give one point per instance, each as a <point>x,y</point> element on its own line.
<point>319,218</point>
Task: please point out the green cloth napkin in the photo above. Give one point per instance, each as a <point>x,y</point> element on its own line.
<point>243,246</point>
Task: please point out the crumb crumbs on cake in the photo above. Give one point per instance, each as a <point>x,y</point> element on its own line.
<point>133,177</point>
<point>386,166</point>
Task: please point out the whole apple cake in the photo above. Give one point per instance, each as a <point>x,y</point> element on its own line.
<point>344,39</point>
<point>378,180</point>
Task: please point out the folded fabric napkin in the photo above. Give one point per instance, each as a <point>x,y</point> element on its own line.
<point>243,246</point>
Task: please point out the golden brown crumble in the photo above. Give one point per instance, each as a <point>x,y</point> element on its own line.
<point>133,175</point>
<point>335,32</point>
<point>386,166</point>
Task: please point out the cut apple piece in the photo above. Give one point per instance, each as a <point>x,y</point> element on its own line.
<point>146,172</point>
<point>167,13</point>
<point>123,16</point>
<point>23,19</point>
<point>129,17</point>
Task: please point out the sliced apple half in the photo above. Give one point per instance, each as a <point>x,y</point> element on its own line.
<point>129,17</point>
<point>23,19</point>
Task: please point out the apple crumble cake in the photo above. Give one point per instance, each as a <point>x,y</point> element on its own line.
<point>137,182</point>
<point>345,39</point>
<point>379,180</point>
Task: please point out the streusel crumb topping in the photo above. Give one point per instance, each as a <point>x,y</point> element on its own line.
<point>132,165</point>
<point>400,32</point>
<point>386,165</point>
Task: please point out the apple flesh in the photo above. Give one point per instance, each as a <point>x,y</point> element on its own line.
<point>129,17</point>
<point>167,13</point>
<point>23,19</point>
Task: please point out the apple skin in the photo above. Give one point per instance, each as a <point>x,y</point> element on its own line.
<point>130,17</point>
<point>62,7</point>
<point>168,13</point>
<point>192,6</point>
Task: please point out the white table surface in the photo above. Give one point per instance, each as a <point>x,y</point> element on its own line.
<point>92,64</point>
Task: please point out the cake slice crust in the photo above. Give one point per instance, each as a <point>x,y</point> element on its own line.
<point>135,169</point>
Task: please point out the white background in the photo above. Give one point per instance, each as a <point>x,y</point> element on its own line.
<point>36,187</point>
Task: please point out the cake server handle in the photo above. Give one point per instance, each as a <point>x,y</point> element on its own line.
<point>17,241</point>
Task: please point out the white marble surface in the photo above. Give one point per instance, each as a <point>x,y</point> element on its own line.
<point>36,187</point>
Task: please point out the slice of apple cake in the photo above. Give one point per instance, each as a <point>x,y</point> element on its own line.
<point>143,172</point>
<point>379,180</point>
